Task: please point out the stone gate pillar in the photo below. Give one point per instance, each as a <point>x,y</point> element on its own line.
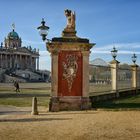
<point>114,76</point>
<point>134,68</point>
<point>70,69</point>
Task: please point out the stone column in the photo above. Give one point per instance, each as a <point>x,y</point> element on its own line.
<point>85,89</point>
<point>1,60</point>
<point>85,86</point>
<point>54,73</point>
<point>15,65</point>
<point>9,61</point>
<point>134,76</point>
<point>54,101</point>
<point>20,59</point>
<point>34,63</point>
<point>114,76</point>
<point>31,62</point>
<point>38,63</point>
<point>5,60</point>
<point>26,61</point>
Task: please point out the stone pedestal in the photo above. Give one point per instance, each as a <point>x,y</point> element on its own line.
<point>70,69</point>
<point>69,103</point>
<point>70,73</point>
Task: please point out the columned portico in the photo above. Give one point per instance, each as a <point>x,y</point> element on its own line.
<point>14,56</point>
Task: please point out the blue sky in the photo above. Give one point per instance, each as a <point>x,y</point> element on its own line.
<point>104,22</point>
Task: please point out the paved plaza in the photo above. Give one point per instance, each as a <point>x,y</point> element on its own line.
<point>77,125</point>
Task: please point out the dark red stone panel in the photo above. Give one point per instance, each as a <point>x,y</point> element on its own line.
<point>76,88</point>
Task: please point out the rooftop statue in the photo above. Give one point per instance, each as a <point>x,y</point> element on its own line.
<point>13,26</point>
<point>70,19</point>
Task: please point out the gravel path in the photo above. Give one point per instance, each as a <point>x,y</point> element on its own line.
<point>12,110</point>
<point>72,125</point>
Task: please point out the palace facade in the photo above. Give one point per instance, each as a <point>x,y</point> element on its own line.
<point>13,56</point>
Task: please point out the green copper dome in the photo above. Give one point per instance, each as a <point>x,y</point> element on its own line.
<point>13,35</point>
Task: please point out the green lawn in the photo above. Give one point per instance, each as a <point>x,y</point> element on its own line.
<point>24,102</point>
<point>25,88</point>
<point>132,102</point>
<point>45,88</point>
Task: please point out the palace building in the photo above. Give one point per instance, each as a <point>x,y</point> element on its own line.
<point>13,56</point>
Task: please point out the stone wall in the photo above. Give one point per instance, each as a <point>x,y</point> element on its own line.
<point>112,95</point>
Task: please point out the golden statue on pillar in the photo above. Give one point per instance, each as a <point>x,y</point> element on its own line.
<point>70,68</point>
<point>70,19</point>
<point>69,31</point>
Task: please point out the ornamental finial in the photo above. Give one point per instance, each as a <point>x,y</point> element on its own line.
<point>13,26</point>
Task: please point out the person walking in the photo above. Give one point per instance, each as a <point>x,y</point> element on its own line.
<point>16,84</point>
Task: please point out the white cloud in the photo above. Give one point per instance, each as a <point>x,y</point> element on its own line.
<point>128,52</point>
<point>44,60</point>
<point>44,53</point>
<point>123,48</point>
<point>120,52</point>
<point>33,42</point>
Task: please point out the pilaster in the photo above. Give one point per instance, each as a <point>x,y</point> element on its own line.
<point>54,74</point>
<point>85,86</point>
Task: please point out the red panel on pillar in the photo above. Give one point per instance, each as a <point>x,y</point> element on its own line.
<point>70,73</point>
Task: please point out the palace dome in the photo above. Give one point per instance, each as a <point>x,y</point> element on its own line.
<point>13,35</point>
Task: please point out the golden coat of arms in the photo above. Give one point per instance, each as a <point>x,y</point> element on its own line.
<point>70,68</point>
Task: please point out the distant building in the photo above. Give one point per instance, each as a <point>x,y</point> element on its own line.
<point>98,62</point>
<point>14,56</point>
<point>99,71</point>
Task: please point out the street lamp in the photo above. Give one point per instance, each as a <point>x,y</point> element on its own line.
<point>134,58</point>
<point>114,53</point>
<point>43,30</point>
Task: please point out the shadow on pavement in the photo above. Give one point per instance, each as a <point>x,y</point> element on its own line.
<point>70,113</point>
<point>14,112</point>
<point>34,119</point>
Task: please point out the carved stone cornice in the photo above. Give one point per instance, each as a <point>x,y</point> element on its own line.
<point>55,46</point>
